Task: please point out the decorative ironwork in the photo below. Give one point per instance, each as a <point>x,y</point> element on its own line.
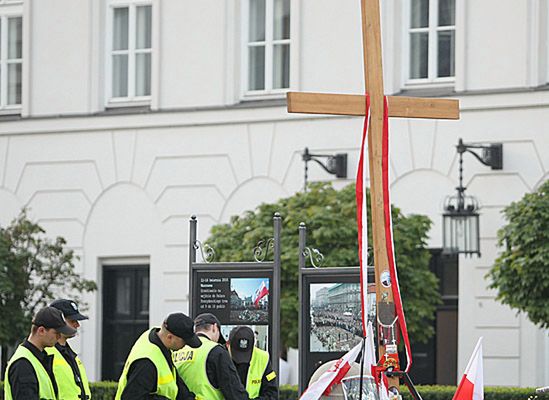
<point>206,251</point>
<point>261,249</point>
<point>315,256</point>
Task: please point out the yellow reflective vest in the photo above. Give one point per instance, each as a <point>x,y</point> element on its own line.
<point>64,376</point>
<point>191,366</point>
<point>166,384</point>
<point>45,385</point>
<point>258,365</point>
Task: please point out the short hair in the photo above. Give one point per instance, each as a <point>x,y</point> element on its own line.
<point>34,329</point>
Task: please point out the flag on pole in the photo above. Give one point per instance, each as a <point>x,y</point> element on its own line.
<point>333,376</point>
<point>260,293</point>
<point>471,386</point>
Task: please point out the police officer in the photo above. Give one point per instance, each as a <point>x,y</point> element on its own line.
<point>149,372</point>
<point>69,371</point>
<point>252,364</point>
<point>29,375</point>
<point>209,371</point>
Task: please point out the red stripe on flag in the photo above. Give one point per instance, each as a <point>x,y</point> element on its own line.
<point>360,207</point>
<point>389,236</point>
<point>465,389</point>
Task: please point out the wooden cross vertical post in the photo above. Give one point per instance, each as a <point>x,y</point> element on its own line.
<point>404,107</point>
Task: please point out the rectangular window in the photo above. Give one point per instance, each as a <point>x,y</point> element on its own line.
<point>130,53</point>
<point>11,61</point>
<point>267,46</point>
<point>431,41</point>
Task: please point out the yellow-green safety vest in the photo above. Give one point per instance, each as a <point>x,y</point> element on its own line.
<point>64,376</point>
<point>258,365</point>
<point>191,366</point>
<point>166,384</point>
<point>45,385</point>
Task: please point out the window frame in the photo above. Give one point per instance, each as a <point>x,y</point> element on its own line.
<point>131,99</point>
<point>432,59</point>
<point>269,43</point>
<point>7,11</point>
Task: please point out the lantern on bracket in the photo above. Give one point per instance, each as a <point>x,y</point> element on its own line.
<point>460,220</point>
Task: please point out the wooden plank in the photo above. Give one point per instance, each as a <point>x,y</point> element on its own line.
<point>351,104</point>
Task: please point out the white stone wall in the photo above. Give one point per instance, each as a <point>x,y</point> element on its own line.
<point>122,188</point>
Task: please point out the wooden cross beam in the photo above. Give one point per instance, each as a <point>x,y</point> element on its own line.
<point>404,107</point>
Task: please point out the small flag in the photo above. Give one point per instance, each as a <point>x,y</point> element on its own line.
<point>260,293</point>
<point>333,376</point>
<point>471,386</point>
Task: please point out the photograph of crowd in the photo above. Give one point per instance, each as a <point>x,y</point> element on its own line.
<point>335,316</point>
<point>249,301</point>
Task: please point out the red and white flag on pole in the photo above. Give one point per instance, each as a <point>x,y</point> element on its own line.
<point>333,376</point>
<point>260,293</point>
<point>471,386</point>
<point>362,220</point>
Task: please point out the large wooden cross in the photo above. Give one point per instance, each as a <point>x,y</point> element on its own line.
<point>403,107</point>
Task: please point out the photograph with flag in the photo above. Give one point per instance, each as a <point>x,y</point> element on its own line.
<point>261,292</point>
<point>471,386</point>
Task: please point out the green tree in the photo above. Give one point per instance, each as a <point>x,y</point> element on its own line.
<point>521,273</point>
<point>330,216</point>
<point>33,271</point>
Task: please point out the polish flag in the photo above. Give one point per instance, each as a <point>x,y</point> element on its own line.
<point>333,376</point>
<point>471,386</point>
<point>260,293</point>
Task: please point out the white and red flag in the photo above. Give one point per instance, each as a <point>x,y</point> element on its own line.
<point>333,376</point>
<point>471,386</point>
<point>362,221</point>
<point>260,293</point>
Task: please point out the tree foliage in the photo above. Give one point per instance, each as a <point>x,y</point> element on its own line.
<point>521,272</point>
<point>330,216</point>
<point>33,271</point>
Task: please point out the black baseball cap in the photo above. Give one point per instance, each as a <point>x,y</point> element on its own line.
<point>209,319</point>
<point>52,318</point>
<point>242,341</point>
<point>69,309</point>
<point>182,326</point>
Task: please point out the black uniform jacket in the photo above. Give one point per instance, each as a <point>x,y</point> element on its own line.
<point>269,384</point>
<point>22,377</point>
<point>142,376</point>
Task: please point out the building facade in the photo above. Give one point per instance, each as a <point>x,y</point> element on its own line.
<point>119,119</point>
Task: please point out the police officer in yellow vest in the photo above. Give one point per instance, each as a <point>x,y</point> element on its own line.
<point>209,371</point>
<point>29,375</point>
<point>253,364</point>
<point>69,371</point>
<point>149,372</point>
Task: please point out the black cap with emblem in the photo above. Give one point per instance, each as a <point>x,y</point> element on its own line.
<point>242,341</point>
<point>69,309</point>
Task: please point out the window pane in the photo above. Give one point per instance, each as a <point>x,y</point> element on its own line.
<point>143,26</point>
<point>120,29</point>
<point>257,21</point>
<point>446,12</point>
<point>419,52</point>
<point>14,83</point>
<point>120,75</point>
<point>281,66</point>
<point>15,36</point>
<point>446,45</point>
<point>256,68</point>
<point>281,19</point>
<point>143,74</point>
<point>419,14</point>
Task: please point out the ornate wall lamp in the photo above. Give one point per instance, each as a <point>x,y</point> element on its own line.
<point>460,221</point>
<point>333,164</point>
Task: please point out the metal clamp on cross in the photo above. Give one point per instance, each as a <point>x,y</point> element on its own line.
<point>403,107</point>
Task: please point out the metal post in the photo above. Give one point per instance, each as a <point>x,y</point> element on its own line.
<point>277,222</point>
<point>300,338</point>
<point>192,259</point>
